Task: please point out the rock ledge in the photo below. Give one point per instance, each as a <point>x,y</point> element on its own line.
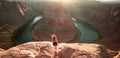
<point>65,50</point>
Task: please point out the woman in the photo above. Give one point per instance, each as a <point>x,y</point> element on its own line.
<point>54,40</point>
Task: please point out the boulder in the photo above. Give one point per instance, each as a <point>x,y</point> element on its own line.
<point>45,49</point>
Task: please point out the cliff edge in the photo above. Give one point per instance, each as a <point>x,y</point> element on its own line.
<point>64,50</point>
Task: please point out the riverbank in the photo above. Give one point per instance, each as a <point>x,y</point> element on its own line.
<point>88,33</point>
<point>22,34</point>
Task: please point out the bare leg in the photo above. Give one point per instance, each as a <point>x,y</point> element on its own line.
<point>55,48</point>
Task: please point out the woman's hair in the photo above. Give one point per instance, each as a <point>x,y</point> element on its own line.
<point>54,38</point>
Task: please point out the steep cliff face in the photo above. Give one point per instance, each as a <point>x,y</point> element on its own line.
<point>103,17</point>
<point>56,19</point>
<point>12,16</point>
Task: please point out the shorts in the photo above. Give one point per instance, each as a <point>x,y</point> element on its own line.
<point>55,43</point>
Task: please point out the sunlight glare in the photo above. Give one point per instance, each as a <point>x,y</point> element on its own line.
<point>55,0</point>
<point>64,1</point>
<point>108,0</point>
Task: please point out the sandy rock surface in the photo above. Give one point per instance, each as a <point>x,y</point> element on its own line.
<point>118,55</point>
<point>64,50</point>
<point>1,50</point>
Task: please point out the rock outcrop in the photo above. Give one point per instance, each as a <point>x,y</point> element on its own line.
<point>1,50</point>
<point>118,55</point>
<point>56,19</point>
<point>64,50</point>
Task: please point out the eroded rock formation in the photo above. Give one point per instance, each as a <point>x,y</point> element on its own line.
<point>65,50</point>
<point>56,19</point>
<point>103,17</point>
<point>118,55</point>
<point>1,50</point>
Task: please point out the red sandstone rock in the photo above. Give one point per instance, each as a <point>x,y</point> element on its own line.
<point>56,19</point>
<point>12,19</point>
<point>118,55</point>
<point>1,50</point>
<point>65,50</point>
<point>105,19</point>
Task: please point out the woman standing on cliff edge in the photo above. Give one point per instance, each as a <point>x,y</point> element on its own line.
<point>55,41</point>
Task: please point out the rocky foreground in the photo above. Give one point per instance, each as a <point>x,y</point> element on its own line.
<point>65,50</point>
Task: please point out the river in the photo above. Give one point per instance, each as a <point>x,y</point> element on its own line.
<point>23,35</point>
<point>88,34</point>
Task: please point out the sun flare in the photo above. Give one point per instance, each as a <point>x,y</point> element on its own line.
<point>64,1</point>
